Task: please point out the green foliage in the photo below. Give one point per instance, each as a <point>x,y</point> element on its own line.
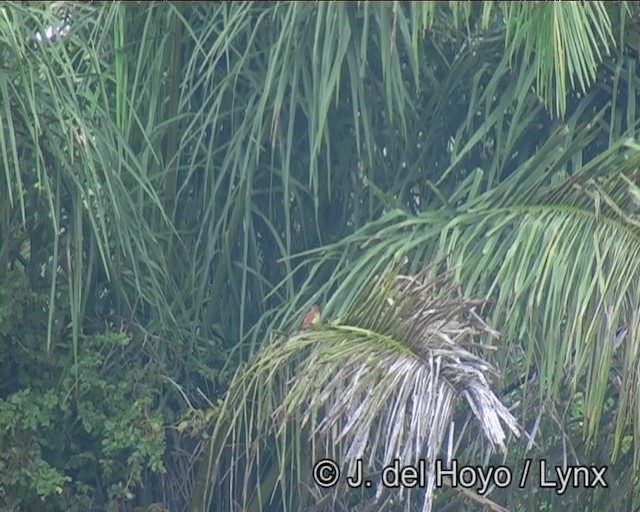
<point>28,420</point>
<point>163,162</point>
<point>74,432</point>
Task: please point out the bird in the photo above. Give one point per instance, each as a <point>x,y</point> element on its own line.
<point>311,318</point>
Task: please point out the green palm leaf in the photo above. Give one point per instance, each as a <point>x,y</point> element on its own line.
<point>378,384</point>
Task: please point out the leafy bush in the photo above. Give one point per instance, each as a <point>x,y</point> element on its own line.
<point>75,432</point>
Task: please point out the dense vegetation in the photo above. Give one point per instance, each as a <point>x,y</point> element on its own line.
<point>456,186</point>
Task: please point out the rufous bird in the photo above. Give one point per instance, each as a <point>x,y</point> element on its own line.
<point>311,318</point>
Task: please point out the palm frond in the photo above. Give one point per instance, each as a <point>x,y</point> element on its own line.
<point>378,384</point>
<point>584,226</point>
<point>564,41</point>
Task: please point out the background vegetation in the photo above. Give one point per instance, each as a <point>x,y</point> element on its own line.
<point>182,182</point>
